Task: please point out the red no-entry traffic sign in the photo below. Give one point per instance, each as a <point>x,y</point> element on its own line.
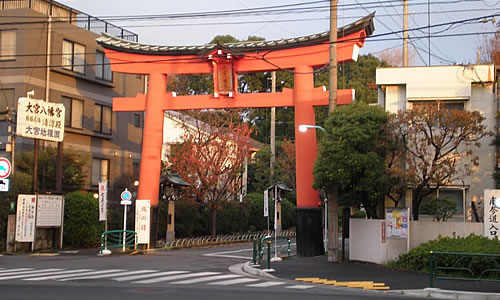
<point>5,167</point>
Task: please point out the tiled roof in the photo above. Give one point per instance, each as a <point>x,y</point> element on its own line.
<point>111,42</point>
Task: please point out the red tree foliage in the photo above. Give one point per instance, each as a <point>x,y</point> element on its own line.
<point>211,158</point>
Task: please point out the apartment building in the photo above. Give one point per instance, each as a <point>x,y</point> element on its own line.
<point>467,87</point>
<point>51,49</point>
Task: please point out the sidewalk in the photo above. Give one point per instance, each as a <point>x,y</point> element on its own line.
<point>407,282</point>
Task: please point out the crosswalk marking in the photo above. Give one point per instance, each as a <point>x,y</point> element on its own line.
<point>42,274</point>
<point>174,277</point>
<point>266,284</point>
<point>28,272</point>
<point>109,275</point>
<point>204,279</point>
<point>15,270</point>
<point>148,275</point>
<point>299,287</point>
<point>234,281</point>
<point>73,275</point>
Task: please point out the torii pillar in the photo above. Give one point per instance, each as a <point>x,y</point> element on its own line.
<point>225,63</point>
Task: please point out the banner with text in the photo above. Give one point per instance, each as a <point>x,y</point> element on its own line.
<point>103,201</point>
<point>142,220</point>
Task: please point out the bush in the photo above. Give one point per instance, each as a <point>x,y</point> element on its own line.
<point>418,258</point>
<point>441,208</point>
<point>81,220</point>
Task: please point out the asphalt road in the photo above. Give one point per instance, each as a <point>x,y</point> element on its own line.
<point>179,274</point>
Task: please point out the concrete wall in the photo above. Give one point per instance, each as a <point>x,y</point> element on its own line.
<point>365,242</point>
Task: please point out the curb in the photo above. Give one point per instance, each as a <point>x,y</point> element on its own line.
<point>448,294</point>
<point>257,272</point>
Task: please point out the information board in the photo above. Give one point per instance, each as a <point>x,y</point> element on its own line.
<point>396,220</point>
<point>25,218</point>
<point>40,119</point>
<point>49,211</point>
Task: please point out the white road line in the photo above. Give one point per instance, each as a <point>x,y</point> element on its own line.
<point>204,279</point>
<point>175,277</point>
<point>299,287</point>
<point>15,270</point>
<point>109,275</point>
<point>74,275</point>
<point>234,281</point>
<point>223,254</point>
<point>266,284</point>
<point>29,272</point>
<point>148,275</point>
<point>43,274</point>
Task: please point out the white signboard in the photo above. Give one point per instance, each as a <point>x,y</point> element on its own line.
<point>142,220</point>
<point>25,218</point>
<point>492,213</point>
<point>103,201</point>
<point>40,120</point>
<point>4,185</point>
<point>266,203</point>
<point>396,220</point>
<point>49,211</point>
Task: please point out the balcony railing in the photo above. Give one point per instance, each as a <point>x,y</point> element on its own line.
<point>67,14</point>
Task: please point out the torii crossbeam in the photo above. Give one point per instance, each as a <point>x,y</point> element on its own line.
<point>225,62</point>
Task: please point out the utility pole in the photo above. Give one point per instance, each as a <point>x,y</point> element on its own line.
<point>273,127</point>
<point>405,33</point>
<point>333,228</point>
<point>429,27</point>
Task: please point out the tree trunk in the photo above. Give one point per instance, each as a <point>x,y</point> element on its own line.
<point>415,204</point>
<point>213,211</point>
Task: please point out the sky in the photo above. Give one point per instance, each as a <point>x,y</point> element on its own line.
<point>306,19</point>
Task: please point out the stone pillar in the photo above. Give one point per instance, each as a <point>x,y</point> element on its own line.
<point>171,221</point>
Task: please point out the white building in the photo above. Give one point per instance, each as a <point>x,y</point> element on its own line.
<point>470,87</point>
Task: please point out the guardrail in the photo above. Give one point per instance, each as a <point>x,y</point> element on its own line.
<point>118,238</point>
<point>464,266</point>
<point>222,239</point>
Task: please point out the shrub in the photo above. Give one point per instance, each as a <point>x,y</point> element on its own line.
<point>441,208</point>
<point>418,258</point>
<point>81,220</point>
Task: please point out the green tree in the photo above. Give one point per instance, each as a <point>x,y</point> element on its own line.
<point>349,158</point>
<point>73,163</point>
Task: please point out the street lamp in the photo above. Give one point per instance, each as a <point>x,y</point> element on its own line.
<point>304,128</point>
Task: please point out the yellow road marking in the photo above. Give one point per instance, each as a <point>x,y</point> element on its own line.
<point>307,279</point>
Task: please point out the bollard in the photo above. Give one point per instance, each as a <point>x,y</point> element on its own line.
<point>269,254</point>
<point>431,260</point>
<point>288,247</point>
<point>254,253</point>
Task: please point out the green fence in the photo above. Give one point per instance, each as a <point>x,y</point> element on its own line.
<point>258,251</point>
<point>116,238</point>
<point>464,266</point>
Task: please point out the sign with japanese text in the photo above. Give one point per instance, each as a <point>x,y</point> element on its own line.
<point>142,220</point>
<point>49,211</point>
<point>39,119</point>
<point>396,220</point>
<point>25,218</point>
<point>103,201</point>
<point>492,213</point>
<point>266,203</point>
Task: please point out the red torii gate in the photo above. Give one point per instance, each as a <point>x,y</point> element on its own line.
<point>224,62</point>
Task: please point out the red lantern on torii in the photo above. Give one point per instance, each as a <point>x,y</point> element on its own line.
<point>225,62</point>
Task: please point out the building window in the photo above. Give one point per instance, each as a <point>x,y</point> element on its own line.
<point>7,102</point>
<point>74,112</point>
<point>7,45</point>
<point>102,119</point>
<point>103,67</point>
<point>100,170</point>
<point>457,195</point>
<point>73,57</point>
<point>137,120</point>
<point>441,105</point>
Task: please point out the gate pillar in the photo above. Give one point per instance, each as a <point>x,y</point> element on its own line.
<point>309,228</point>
